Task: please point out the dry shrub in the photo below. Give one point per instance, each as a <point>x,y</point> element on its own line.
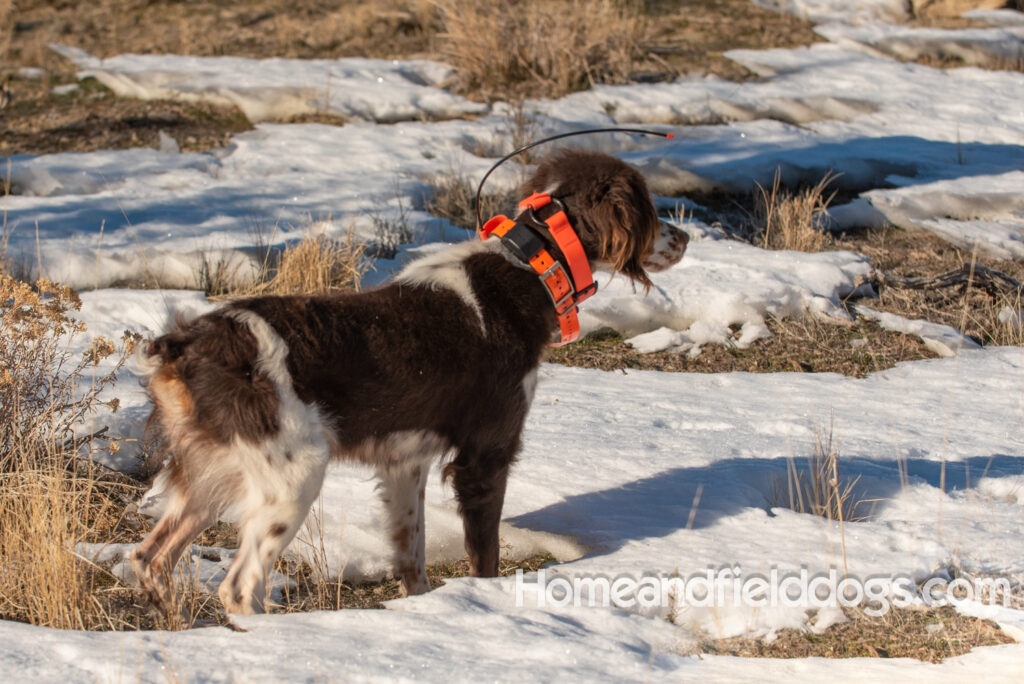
<point>790,220</point>
<point>51,500</point>
<point>537,47</point>
<point>317,264</point>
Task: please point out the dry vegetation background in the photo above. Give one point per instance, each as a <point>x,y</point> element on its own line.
<point>54,498</point>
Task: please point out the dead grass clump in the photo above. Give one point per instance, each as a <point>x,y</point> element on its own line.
<point>318,264</point>
<point>539,48</point>
<point>928,635</point>
<point>6,28</point>
<point>791,220</point>
<point>452,197</point>
<point>819,488</point>
<point>51,500</point>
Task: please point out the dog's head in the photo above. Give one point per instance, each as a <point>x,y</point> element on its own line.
<point>609,206</point>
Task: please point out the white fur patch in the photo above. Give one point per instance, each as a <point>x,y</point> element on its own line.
<point>291,459</point>
<point>444,269</point>
<point>400,450</point>
<point>402,491</point>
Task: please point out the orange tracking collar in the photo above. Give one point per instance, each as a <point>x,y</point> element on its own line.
<point>565,292</point>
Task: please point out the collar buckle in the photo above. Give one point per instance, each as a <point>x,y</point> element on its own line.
<point>556,279</point>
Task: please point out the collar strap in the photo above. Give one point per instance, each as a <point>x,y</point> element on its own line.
<point>521,240</point>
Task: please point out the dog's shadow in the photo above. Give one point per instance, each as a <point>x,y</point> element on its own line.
<point>698,497</point>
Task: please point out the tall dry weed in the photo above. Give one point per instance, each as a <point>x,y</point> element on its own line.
<point>6,27</point>
<point>537,47</point>
<point>820,488</point>
<point>791,221</point>
<point>453,197</point>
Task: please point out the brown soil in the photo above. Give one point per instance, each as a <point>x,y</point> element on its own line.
<point>91,118</point>
<point>806,346</point>
<point>691,35</point>
<point>684,37</point>
<point>928,635</point>
<point>905,253</point>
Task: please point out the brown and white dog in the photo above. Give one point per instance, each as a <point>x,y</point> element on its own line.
<point>256,398</point>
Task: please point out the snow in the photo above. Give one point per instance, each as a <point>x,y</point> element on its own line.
<point>996,17</point>
<point>941,339</point>
<point>148,215</point>
<point>983,212</point>
<point>973,46</point>
<point>622,475</point>
<point>402,90</point>
<point>838,10</point>
<point>722,284</point>
<point>729,437</point>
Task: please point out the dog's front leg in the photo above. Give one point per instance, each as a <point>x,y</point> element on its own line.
<point>479,478</point>
<point>404,490</point>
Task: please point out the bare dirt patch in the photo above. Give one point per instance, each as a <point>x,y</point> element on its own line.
<point>689,36</point>
<point>801,346</point>
<point>969,309</point>
<point>672,38</point>
<point>928,635</point>
<point>309,593</point>
<point>91,118</point>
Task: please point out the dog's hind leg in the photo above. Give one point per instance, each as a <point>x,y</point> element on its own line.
<point>403,493</point>
<point>273,508</point>
<point>154,559</point>
<point>479,477</point>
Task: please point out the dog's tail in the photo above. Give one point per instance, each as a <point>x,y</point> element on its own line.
<point>170,346</point>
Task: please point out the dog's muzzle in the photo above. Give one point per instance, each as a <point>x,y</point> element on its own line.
<point>669,248</point>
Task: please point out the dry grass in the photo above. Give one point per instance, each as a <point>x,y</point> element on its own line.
<point>819,488</point>
<point>581,42</point>
<point>6,28</point>
<point>51,499</point>
<point>927,635</point>
<point>310,591</point>
<point>968,308</point>
<point>806,345</point>
<point>790,221</point>
<point>540,47</point>
<point>316,264</point>
<point>452,197</point>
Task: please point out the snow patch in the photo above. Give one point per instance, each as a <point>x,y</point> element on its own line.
<point>380,90</point>
<point>941,339</point>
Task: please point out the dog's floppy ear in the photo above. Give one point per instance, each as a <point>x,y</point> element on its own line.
<point>629,226</point>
